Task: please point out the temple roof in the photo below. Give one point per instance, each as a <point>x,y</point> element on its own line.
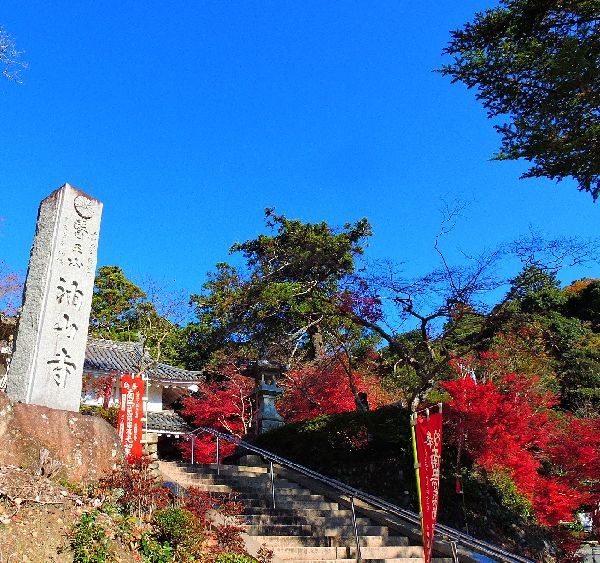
<point>166,422</point>
<point>129,357</point>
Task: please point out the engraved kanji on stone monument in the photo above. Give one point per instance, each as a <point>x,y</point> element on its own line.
<point>47,363</point>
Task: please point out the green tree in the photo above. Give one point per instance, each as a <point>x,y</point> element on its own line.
<point>584,302</point>
<point>122,311</point>
<point>281,299</point>
<point>538,63</point>
<point>540,329</point>
<point>117,305</point>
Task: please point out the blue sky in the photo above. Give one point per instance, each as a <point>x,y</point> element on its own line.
<point>187,119</point>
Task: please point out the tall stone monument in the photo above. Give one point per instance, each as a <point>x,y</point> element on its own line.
<point>47,362</point>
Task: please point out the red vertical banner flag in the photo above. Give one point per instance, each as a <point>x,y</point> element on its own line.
<point>131,411</point>
<point>428,438</point>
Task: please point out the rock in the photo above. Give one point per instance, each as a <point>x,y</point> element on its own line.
<point>79,448</point>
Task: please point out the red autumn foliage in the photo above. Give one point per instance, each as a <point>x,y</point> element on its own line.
<point>223,405</point>
<point>142,491</point>
<point>100,387</point>
<point>199,503</point>
<point>309,391</point>
<point>318,390</point>
<point>227,534</point>
<point>510,425</point>
<point>361,303</point>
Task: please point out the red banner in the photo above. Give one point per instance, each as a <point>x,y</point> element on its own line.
<point>131,412</point>
<point>428,432</point>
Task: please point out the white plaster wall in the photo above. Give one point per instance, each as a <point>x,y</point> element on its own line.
<point>155,398</point>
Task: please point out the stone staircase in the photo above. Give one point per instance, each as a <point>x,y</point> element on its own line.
<point>304,526</point>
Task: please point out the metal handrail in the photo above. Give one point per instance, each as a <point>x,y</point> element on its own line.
<point>478,546</point>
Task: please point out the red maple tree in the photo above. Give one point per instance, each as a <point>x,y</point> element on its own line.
<point>101,387</point>
<point>316,390</point>
<point>309,391</point>
<point>510,425</point>
<point>224,405</point>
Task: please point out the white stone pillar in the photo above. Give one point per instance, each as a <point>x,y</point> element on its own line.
<point>47,363</point>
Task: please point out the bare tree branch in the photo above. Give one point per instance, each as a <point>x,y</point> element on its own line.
<point>9,57</point>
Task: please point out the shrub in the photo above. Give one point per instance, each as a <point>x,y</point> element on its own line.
<point>198,502</point>
<point>135,489</point>
<point>152,551</point>
<point>229,538</point>
<point>89,541</point>
<point>181,530</point>
<point>509,495</point>
<point>234,558</point>
<point>174,525</point>
<point>109,414</point>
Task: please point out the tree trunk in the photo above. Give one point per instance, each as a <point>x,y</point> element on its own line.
<point>316,341</point>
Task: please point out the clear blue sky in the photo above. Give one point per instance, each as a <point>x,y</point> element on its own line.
<point>187,119</point>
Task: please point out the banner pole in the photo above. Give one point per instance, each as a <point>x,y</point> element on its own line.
<point>413,423</point>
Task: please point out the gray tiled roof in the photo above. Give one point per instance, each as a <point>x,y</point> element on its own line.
<point>166,422</point>
<point>127,357</point>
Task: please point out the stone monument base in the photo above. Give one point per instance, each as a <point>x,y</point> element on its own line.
<point>77,447</point>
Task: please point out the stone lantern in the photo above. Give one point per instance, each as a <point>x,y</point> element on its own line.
<point>266,392</point>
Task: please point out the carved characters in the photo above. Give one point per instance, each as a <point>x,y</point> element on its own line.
<point>80,227</point>
<point>70,329</point>
<point>69,294</point>
<point>61,367</point>
<point>77,254</point>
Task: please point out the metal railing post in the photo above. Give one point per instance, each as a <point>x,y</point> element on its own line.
<point>218,457</point>
<point>453,546</point>
<point>355,526</point>
<point>272,483</point>
<point>193,444</point>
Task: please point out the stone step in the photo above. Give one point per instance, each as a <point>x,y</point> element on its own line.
<point>317,523</point>
<point>280,491</point>
<point>348,532</point>
<point>289,504</point>
<point>327,540</point>
<point>272,541</point>
<point>308,513</point>
<point>265,519</point>
<point>285,530</point>
<point>212,488</point>
<point>322,521</point>
<point>243,484</point>
<point>309,553</point>
<point>247,476</point>
<point>307,498</point>
<point>387,552</point>
<point>368,553</point>
<point>390,560</point>
<point>309,505</point>
<point>242,480</point>
<point>316,520</point>
<point>266,511</point>
<point>223,468</point>
<point>304,526</point>
<point>207,478</point>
